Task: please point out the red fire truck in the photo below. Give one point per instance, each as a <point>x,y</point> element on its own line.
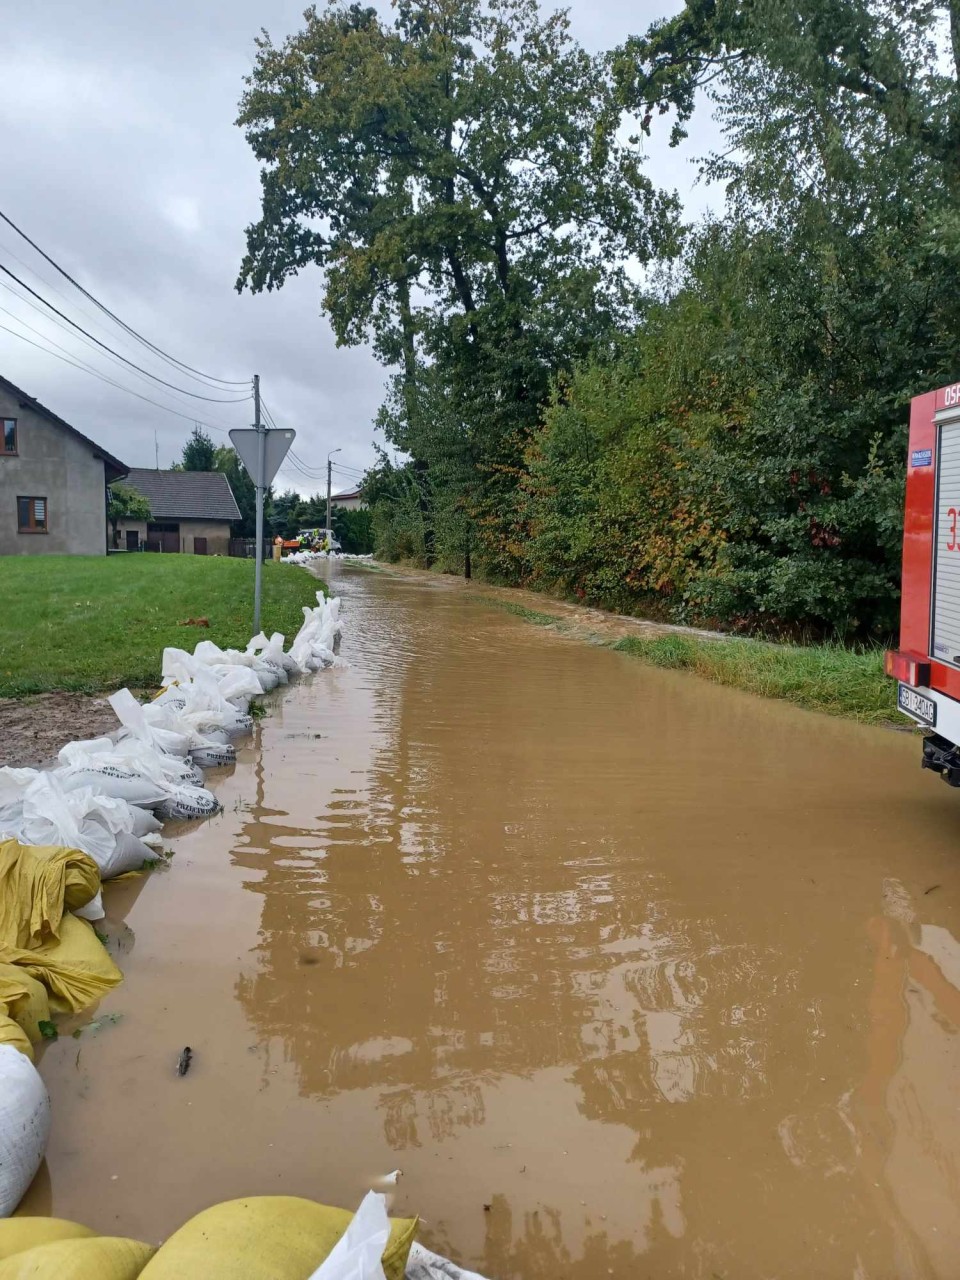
<point>927,664</point>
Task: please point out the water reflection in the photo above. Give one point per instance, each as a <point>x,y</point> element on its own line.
<point>490,901</point>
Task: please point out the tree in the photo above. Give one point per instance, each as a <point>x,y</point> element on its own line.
<point>354,528</point>
<point>460,175</point>
<point>125,504</point>
<point>227,460</point>
<point>199,453</point>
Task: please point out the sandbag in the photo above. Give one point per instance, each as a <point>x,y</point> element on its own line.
<point>12,1034</point>
<point>37,884</point>
<point>25,1001</point>
<point>265,1238</point>
<point>79,819</point>
<point>92,1258</point>
<point>185,803</point>
<point>112,780</point>
<point>24,1126</point>
<point>92,911</point>
<point>213,755</point>
<point>19,1234</point>
<point>135,724</point>
<point>75,968</point>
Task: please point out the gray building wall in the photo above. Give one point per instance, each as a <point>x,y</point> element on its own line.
<point>52,464</point>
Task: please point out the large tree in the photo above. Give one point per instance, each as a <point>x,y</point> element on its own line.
<point>460,174</point>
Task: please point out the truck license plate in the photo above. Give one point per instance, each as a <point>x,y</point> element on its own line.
<point>917,705</point>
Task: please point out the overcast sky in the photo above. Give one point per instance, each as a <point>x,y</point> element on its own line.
<point>123,162</point>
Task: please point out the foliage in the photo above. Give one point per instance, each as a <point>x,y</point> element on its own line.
<point>725,444</point>
<point>460,175</point>
<point>227,460</point>
<point>125,503</point>
<point>87,623</point>
<point>354,529</point>
<point>199,453</point>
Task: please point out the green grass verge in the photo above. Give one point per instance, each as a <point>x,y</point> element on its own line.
<point>828,678</point>
<point>530,615</point>
<point>89,623</point>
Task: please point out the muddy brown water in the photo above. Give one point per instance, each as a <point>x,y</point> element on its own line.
<point>630,975</point>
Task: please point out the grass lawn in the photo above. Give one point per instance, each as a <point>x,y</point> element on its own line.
<point>829,678</point>
<point>89,623</point>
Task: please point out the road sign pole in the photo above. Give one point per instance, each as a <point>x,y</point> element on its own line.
<point>261,452</point>
<point>261,445</point>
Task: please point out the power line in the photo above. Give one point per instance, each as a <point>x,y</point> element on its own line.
<point>54,320</point>
<point>189,417</point>
<point>226,382</point>
<point>139,369</point>
<point>48,284</point>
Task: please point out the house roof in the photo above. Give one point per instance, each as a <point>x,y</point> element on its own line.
<point>114,468</point>
<point>352,493</point>
<point>185,495</point>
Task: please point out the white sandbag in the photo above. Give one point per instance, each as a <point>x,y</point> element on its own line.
<point>80,819</point>
<point>267,673</point>
<point>213,755</point>
<point>184,803</point>
<point>199,704</point>
<point>424,1265</point>
<point>272,651</point>
<point>24,1126</point>
<point>111,780</point>
<point>132,754</point>
<point>13,784</point>
<point>145,823</point>
<point>133,718</point>
<point>93,910</point>
<point>129,854</point>
<point>357,1254</point>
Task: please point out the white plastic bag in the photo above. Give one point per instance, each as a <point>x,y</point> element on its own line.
<point>424,1265</point>
<point>133,718</point>
<point>357,1254</point>
<point>79,819</point>
<point>24,1126</point>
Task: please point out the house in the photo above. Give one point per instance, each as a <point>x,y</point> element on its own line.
<point>190,511</point>
<point>53,481</point>
<point>351,501</point>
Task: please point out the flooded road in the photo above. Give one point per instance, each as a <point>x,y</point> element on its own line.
<point>631,975</point>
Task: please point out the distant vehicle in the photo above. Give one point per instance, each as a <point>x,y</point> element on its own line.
<point>315,539</point>
<point>927,664</point>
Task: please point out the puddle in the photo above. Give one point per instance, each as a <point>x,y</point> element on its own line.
<point>629,974</point>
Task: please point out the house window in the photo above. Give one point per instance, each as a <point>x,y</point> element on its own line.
<point>8,438</point>
<point>32,515</point>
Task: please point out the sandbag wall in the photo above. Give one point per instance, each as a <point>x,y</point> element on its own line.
<point>96,814</point>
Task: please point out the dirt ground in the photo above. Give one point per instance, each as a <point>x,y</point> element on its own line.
<point>34,729</point>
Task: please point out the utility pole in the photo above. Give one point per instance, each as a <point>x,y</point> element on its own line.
<point>156,450</point>
<point>329,474</point>
<point>261,447</point>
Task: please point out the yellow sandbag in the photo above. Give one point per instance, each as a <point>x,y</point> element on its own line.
<point>75,968</point>
<point>19,1234</point>
<point>265,1238</point>
<point>12,1034</point>
<point>93,1258</point>
<point>25,1000</point>
<point>38,883</point>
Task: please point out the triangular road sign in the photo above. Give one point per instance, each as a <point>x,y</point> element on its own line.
<point>276,443</point>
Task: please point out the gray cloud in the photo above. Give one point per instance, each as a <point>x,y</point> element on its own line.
<point>125,165</point>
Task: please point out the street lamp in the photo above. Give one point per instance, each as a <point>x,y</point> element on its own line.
<point>329,476</point>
